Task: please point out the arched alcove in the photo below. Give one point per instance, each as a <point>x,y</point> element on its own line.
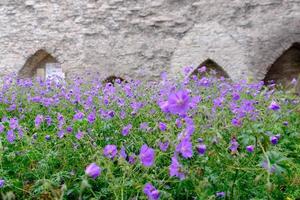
<point>212,68</point>
<point>286,67</point>
<point>41,64</point>
<point>112,79</point>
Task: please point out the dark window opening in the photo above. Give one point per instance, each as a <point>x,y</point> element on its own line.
<point>114,79</point>
<point>285,68</point>
<point>41,64</point>
<point>212,68</point>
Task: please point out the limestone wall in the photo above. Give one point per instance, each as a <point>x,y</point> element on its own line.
<point>142,38</point>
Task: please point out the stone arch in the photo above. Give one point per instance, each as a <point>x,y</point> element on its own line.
<point>210,40</point>
<point>286,66</point>
<point>41,64</point>
<point>211,66</point>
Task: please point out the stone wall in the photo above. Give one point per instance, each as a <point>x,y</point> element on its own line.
<point>142,38</point>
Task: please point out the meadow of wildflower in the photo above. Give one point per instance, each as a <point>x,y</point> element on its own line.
<point>199,138</point>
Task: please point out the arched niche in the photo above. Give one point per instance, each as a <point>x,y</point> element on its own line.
<point>112,79</point>
<point>286,67</point>
<point>41,64</point>
<point>212,68</point>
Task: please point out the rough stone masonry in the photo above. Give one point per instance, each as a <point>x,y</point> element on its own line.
<point>142,38</point>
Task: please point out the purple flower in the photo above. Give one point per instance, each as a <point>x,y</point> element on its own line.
<point>274,106</point>
<point>285,123</point>
<point>123,153</point>
<point>194,102</point>
<point>69,129</point>
<point>271,168</point>
<point>131,159</point>
<point>201,148</point>
<point>126,129</point>
<point>218,102</point>
<point>151,192</point>
<point>2,182</point>
<point>164,106</point>
<point>78,116</point>
<point>2,128</point>
<point>48,119</point>
<point>274,139</point>
<point>60,134</point>
<point>163,146</point>
<point>234,145</point>
<point>185,147</point>
<point>144,126</point>
<point>236,122</point>
<point>178,103</point>
<point>175,169</point>
<point>162,126</point>
<point>91,117</point>
<point>250,148</point>
<point>147,156</point>
<point>235,96</point>
<point>202,69</point>
<point>220,194</point>
<point>79,135</point>
<point>38,120</point>
<point>110,151</point>
<point>10,136</point>
<point>48,137</point>
<point>13,123</point>
<point>93,170</point>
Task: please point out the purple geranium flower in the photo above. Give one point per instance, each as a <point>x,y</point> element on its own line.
<point>164,106</point>
<point>10,136</point>
<point>126,129</point>
<point>202,69</point>
<point>144,126</point>
<point>178,103</point>
<point>163,146</point>
<point>201,148</point>
<point>234,145</point>
<point>91,117</point>
<point>48,137</point>
<point>123,153</point>
<point>151,192</point>
<point>93,170</point>
<point>185,147</point>
<point>110,151</point>
<point>78,116</point>
<point>271,168</point>
<point>79,135</point>
<point>274,139</point>
<point>236,122</point>
<point>38,120</point>
<point>131,159</point>
<point>13,123</point>
<point>250,148</point>
<point>220,194</point>
<point>274,106</point>
<point>162,126</point>
<point>1,128</point>
<point>2,182</point>
<point>48,120</point>
<point>175,169</point>
<point>61,134</point>
<point>147,155</point>
<point>69,129</point>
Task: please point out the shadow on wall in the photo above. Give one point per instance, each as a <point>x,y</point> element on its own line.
<point>212,68</point>
<point>41,64</point>
<point>286,67</point>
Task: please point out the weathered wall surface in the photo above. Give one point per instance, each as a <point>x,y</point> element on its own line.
<point>142,38</point>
